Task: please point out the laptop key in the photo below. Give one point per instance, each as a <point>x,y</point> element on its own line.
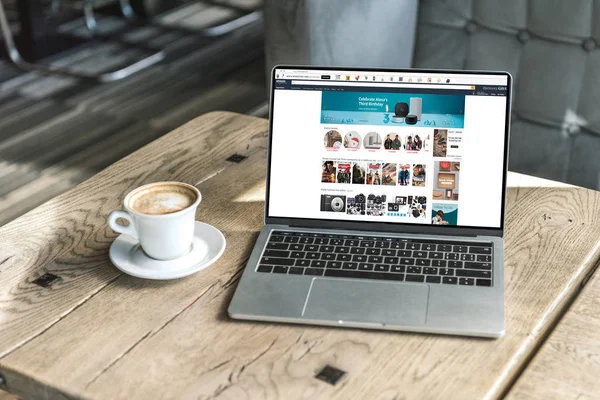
<point>455,264</point>
<point>291,239</point>
<point>444,247</point>
<point>276,253</point>
<point>446,271</point>
<point>460,249</point>
<point>452,256</point>
<point>413,270</point>
<point>264,268</point>
<point>484,282</point>
<point>407,261</point>
<point>466,281</point>
<point>423,262</point>
<point>365,267</point>
<point>397,245</point>
<point>342,249</point>
<point>474,274</point>
<point>306,240</point>
<point>296,247</point>
<point>326,249</point>
<point>344,257</point>
<point>277,246</point>
<point>337,242</point>
<point>435,255</point>
<point>438,263</point>
<point>391,260</point>
<point>313,256</point>
<point>357,250</point>
<point>388,252</point>
<point>413,246</point>
<point>280,270</point>
<point>433,279</point>
<point>484,258</point>
<point>349,265</point>
<point>318,264</point>
<point>327,256</point>
<point>415,278</point>
<point>397,268</point>
<point>302,263</point>
<point>351,242</point>
<point>373,252</point>
<point>298,254</point>
<point>430,271</point>
<point>375,259</point>
<point>321,240</point>
<point>382,245</point>
<point>419,254</point>
<point>277,261</point>
<point>334,264</point>
<point>476,265</point>
<point>450,280</point>
<point>404,253</point>
<point>340,273</point>
<point>381,268</point>
<point>296,271</point>
<point>467,257</point>
<point>480,250</point>
<point>367,243</point>
<point>313,271</point>
<point>359,258</point>
<point>276,239</point>
<point>311,247</point>
<point>428,247</point>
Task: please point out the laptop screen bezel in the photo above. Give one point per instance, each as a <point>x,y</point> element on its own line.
<point>395,227</point>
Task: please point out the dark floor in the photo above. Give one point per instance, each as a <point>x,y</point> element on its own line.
<point>56,132</point>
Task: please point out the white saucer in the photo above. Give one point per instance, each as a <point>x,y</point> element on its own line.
<point>397,120</point>
<point>207,246</point>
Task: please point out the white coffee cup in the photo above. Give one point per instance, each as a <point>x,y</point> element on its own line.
<point>161,217</point>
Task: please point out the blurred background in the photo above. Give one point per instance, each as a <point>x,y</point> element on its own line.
<point>85,82</point>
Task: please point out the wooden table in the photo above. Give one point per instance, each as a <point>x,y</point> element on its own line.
<point>100,334</point>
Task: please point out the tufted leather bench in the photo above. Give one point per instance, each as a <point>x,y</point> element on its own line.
<point>551,49</point>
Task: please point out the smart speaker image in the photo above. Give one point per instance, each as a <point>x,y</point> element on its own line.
<point>416,105</point>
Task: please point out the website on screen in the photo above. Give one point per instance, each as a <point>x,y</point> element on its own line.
<point>396,147</point>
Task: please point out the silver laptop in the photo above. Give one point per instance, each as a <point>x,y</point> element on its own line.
<point>385,202</point>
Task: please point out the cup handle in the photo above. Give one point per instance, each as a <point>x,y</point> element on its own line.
<point>127,230</point>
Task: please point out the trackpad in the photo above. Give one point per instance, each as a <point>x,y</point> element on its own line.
<point>367,301</point>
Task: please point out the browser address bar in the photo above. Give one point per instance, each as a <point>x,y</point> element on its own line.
<point>377,84</point>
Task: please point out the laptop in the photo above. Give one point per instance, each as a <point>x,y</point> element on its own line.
<point>385,201</point>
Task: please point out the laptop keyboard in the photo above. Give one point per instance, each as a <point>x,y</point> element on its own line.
<point>378,257</point>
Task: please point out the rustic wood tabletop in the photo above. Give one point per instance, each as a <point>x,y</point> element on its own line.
<point>93,332</point>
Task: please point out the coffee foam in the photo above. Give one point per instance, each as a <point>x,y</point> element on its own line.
<point>162,199</point>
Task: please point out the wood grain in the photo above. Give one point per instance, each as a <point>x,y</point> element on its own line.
<point>7,396</point>
<point>100,334</point>
<point>568,364</point>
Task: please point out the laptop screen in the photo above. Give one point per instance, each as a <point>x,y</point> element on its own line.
<point>395,147</point>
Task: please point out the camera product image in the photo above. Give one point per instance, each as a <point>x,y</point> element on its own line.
<point>417,206</point>
<point>379,199</point>
<point>356,205</point>
<point>398,208</point>
<point>376,206</point>
<point>333,203</point>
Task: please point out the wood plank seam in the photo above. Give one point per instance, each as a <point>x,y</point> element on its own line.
<point>60,318</point>
<point>236,276</point>
<point>567,296</point>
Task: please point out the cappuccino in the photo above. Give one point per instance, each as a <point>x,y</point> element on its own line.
<point>162,198</point>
